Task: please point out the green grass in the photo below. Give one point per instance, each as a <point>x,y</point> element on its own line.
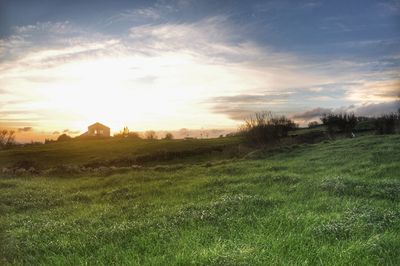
<point>88,151</point>
<point>331,203</point>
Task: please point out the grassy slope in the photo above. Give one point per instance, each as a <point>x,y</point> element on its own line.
<point>84,151</point>
<point>330,203</point>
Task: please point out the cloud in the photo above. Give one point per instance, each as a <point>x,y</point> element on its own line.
<point>48,27</point>
<point>235,113</point>
<point>312,114</point>
<point>56,133</point>
<point>376,109</point>
<point>365,109</point>
<point>167,74</point>
<point>392,6</point>
<point>239,107</point>
<point>158,11</point>
<point>135,15</point>
<point>312,4</point>
<point>269,97</point>
<point>160,59</point>
<point>70,131</point>
<point>375,91</point>
<point>25,129</point>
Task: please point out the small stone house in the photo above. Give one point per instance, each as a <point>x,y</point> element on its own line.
<point>97,130</point>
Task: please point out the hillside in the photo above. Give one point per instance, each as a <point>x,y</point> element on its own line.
<point>332,203</point>
<point>80,152</point>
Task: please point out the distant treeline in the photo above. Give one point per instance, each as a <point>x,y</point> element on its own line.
<point>265,128</point>
<point>349,123</point>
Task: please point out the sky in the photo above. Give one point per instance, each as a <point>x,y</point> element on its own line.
<point>167,65</point>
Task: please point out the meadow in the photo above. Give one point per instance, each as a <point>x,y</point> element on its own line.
<point>335,202</point>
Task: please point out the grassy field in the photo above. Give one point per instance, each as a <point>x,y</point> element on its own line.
<point>331,203</point>
<point>80,152</point>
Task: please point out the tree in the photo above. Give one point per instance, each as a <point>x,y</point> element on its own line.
<point>7,138</point>
<point>151,135</point>
<point>133,135</point>
<point>264,127</point>
<point>169,136</point>
<point>339,122</point>
<point>64,137</point>
<point>313,124</point>
<point>386,124</point>
<point>125,133</point>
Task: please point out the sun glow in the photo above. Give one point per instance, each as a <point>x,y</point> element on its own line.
<point>146,92</point>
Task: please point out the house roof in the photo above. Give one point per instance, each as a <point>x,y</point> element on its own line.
<point>97,124</point>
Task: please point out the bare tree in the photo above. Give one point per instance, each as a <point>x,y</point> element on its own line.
<point>7,138</point>
<point>151,134</point>
<point>264,127</point>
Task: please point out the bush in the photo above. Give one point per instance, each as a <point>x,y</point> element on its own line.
<point>169,136</point>
<point>365,124</point>
<point>64,137</point>
<point>7,138</point>
<point>151,135</point>
<point>386,124</point>
<point>313,124</point>
<point>125,133</point>
<point>263,128</point>
<point>339,122</point>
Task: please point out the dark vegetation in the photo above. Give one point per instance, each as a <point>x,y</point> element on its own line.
<point>386,124</point>
<point>348,123</point>
<point>64,137</point>
<point>168,136</point>
<point>313,124</point>
<point>150,135</point>
<point>265,128</point>
<point>7,138</point>
<point>339,122</point>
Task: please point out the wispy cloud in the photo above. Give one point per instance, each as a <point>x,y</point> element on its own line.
<point>312,114</point>
<point>375,91</point>
<point>160,10</point>
<point>365,109</point>
<point>68,131</point>
<point>25,129</point>
<point>392,6</point>
<point>239,107</point>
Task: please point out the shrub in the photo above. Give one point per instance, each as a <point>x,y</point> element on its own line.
<point>386,124</point>
<point>313,124</point>
<point>7,138</point>
<point>64,137</point>
<point>339,122</point>
<point>263,128</point>
<point>169,136</point>
<point>151,135</point>
<point>125,133</point>
<point>365,124</point>
<point>129,135</point>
